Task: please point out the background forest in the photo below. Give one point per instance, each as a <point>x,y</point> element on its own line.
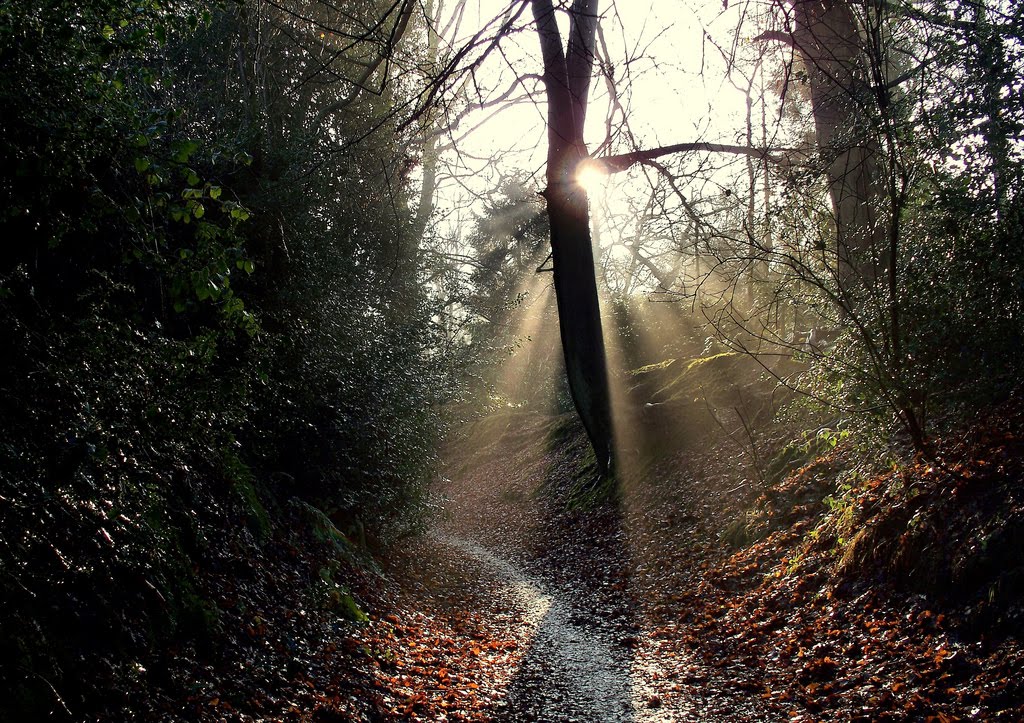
<point>255,269</point>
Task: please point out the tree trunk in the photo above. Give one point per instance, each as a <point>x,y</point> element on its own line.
<point>829,43</point>
<point>567,83</point>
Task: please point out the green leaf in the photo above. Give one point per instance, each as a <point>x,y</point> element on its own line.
<point>215,192</point>
<point>183,150</point>
<point>249,266</point>
<point>198,210</point>
<point>193,179</point>
<point>142,163</point>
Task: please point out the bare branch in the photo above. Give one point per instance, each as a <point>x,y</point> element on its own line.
<point>780,36</point>
<point>359,84</point>
<point>614,164</point>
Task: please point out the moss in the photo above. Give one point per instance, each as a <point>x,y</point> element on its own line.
<point>701,361</point>
<point>341,601</point>
<point>798,453</point>
<point>562,429</point>
<point>325,531</point>
<point>259,520</point>
<point>657,366</point>
<point>737,534</point>
<point>672,385</point>
<point>593,491</point>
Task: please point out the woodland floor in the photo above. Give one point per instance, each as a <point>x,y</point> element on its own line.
<point>517,606</point>
<point>641,612</point>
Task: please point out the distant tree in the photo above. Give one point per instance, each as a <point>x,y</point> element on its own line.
<point>844,78</point>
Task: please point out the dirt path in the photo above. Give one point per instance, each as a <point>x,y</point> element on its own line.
<point>572,672</point>
<point>565,586</point>
<point>576,660</point>
<point>642,611</point>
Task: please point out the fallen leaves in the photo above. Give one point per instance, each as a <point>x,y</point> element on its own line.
<point>767,628</point>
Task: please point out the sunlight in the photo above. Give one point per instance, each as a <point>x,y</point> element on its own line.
<point>528,367</point>
<point>591,176</point>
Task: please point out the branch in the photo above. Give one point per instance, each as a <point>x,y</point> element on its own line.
<point>777,35</point>
<point>614,164</point>
<point>360,83</point>
<point>451,69</point>
<point>579,58</point>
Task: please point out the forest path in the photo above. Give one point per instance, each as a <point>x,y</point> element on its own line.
<point>567,588</point>
<point>572,670</point>
<point>522,604</point>
<point>537,649</point>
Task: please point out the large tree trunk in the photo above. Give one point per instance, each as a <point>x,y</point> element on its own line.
<point>567,83</point>
<point>846,67</point>
<point>829,42</point>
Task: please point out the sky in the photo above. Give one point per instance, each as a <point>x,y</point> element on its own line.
<point>667,58</point>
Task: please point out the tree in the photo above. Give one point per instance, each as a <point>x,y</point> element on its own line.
<point>830,43</point>
<point>835,238</point>
<point>211,305</point>
<point>567,76</point>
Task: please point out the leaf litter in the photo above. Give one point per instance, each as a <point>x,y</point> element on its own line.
<point>523,605</point>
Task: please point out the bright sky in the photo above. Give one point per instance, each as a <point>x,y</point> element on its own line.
<point>670,77</point>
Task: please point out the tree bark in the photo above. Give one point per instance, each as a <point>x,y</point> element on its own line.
<point>567,83</point>
<point>829,42</point>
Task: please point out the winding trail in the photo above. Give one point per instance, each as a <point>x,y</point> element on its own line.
<point>574,588</point>
<point>572,672</point>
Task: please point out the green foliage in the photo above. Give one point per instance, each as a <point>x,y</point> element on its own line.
<point>797,453</point>
<point>509,241</point>
<point>737,533</point>
<point>344,604</point>
<point>202,317</point>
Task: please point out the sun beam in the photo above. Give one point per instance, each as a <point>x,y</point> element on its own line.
<point>592,176</point>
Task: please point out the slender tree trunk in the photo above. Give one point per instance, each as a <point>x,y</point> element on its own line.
<point>567,82</point>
